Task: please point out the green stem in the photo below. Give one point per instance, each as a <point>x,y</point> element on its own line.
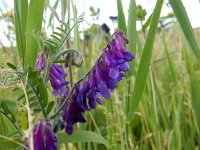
<point>46,73</point>
<point>70,70</point>
<point>63,52</point>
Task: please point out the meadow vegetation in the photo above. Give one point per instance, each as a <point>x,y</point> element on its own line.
<point>156,106</point>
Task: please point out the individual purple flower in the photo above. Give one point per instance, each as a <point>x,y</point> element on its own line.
<point>40,64</point>
<point>93,94</point>
<point>43,137</point>
<point>57,79</point>
<point>38,136</point>
<point>51,139</point>
<point>81,99</point>
<point>101,81</point>
<point>119,47</point>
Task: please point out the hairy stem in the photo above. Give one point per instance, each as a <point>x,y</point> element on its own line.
<point>70,70</point>
<point>46,73</point>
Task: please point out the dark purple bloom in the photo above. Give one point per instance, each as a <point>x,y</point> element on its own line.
<point>93,97</point>
<point>81,99</point>
<point>43,137</point>
<point>57,79</point>
<point>51,139</point>
<point>38,136</point>
<point>40,64</point>
<point>101,84</point>
<point>127,56</point>
<point>73,113</point>
<point>93,94</point>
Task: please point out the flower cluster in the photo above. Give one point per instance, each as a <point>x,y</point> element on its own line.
<point>100,82</point>
<point>43,138</point>
<point>58,81</point>
<point>56,76</point>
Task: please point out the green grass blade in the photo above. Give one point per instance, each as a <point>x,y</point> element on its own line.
<point>195,88</point>
<point>76,30</point>
<point>64,7</point>
<point>50,22</point>
<point>185,24</point>
<point>145,61</point>
<point>81,136</point>
<point>146,24</point>
<point>24,12</point>
<point>131,29</point>
<point>21,8</point>
<point>171,65</point>
<point>34,23</point>
<point>132,37</point>
<point>18,27</point>
<point>121,16</point>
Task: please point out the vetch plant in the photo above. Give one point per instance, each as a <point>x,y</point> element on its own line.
<point>61,95</point>
<point>98,83</point>
<point>72,99</point>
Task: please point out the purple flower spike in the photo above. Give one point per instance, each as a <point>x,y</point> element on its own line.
<point>101,81</point>
<point>40,64</point>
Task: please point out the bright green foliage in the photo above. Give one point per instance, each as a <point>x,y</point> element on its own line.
<point>28,22</point>
<point>185,24</point>
<point>121,16</point>
<point>21,9</point>
<point>195,87</point>
<point>34,24</point>
<point>131,28</point>
<point>145,61</point>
